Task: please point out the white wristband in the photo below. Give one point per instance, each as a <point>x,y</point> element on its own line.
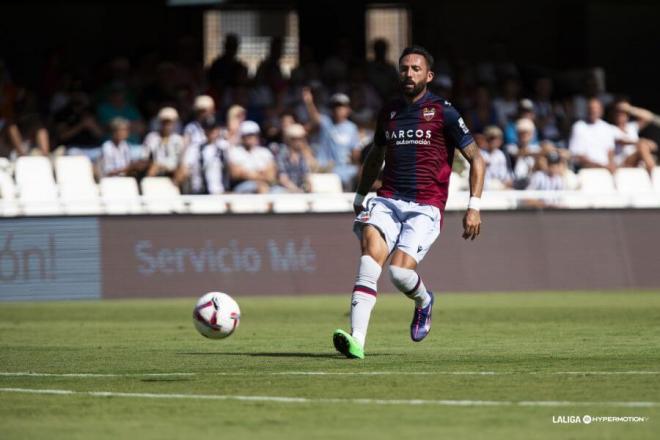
<point>359,199</point>
<point>474,203</point>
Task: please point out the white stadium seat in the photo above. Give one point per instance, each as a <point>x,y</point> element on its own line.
<point>333,202</point>
<point>81,200</point>
<point>284,203</point>
<point>8,203</point>
<point>325,183</point>
<point>206,204</point>
<point>79,192</point>
<point>656,179</point>
<point>632,180</point>
<point>120,195</point>
<point>249,204</point>
<point>34,171</point>
<point>596,180</point>
<point>74,170</point>
<point>161,196</point>
<point>36,186</point>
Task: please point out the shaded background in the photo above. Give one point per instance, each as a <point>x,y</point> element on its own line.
<point>557,35</point>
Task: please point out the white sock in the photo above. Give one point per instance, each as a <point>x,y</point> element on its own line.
<point>410,283</point>
<point>364,297</point>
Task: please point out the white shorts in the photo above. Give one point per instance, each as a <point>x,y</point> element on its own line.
<point>408,226</point>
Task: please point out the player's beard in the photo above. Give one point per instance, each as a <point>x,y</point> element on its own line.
<point>412,92</point>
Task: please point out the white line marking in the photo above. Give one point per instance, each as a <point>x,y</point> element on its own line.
<point>92,375</point>
<point>326,373</point>
<point>280,399</point>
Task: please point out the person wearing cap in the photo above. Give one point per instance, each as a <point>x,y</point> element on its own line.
<point>525,111</point>
<point>338,138</point>
<point>203,166</point>
<point>498,172</point>
<point>204,107</point>
<point>164,147</point>
<point>292,165</point>
<point>252,168</point>
<point>524,152</point>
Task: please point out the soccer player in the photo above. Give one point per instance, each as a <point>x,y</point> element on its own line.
<point>416,138</point>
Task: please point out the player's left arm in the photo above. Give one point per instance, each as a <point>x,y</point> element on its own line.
<point>458,133</point>
<point>472,218</point>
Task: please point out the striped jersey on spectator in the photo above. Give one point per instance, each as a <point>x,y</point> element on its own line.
<point>114,157</point>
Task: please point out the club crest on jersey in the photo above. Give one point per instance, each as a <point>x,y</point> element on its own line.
<point>428,113</point>
<point>392,115</point>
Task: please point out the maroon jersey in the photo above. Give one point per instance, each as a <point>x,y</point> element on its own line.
<point>420,140</point>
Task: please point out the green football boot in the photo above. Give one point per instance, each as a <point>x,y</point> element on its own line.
<point>347,345</point>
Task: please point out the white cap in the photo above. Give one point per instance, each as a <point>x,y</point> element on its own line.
<point>249,127</point>
<point>203,102</point>
<point>524,124</point>
<point>168,114</point>
<point>340,99</point>
<point>295,131</point>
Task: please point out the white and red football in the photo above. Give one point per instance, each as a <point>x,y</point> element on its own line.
<point>216,315</point>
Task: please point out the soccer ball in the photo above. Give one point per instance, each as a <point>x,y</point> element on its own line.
<point>216,315</point>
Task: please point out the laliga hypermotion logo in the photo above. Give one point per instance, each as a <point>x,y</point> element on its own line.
<point>428,113</point>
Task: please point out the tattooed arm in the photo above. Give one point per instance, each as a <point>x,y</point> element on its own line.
<point>472,219</point>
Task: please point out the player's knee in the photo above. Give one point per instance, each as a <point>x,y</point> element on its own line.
<point>402,278</point>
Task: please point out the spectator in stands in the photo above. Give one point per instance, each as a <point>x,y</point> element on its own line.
<point>252,167</point>
<point>76,126</point>
<point>631,150</point>
<point>549,114</point>
<point>338,137</point>
<point>117,106</point>
<point>506,105</point>
<point>116,159</point>
<point>593,141</point>
<point>482,113</point>
<point>523,153</point>
<point>190,176</point>
<point>550,176</point>
<point>269,71</point>
<point>382,74</point>
<point>235,117</point>
<point>34,136</point>
<point>525,111</point>
<point>293,168</point>
<point>164,147</point>
<point>193,132</point>
<point>227,70</point>
<point>498,173</point>
<point>214,162</point>
<point>593,87</point>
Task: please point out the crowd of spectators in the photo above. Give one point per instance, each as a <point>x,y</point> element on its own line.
<point>221,129</point>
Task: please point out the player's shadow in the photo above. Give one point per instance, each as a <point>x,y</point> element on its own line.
<point>267,354</point>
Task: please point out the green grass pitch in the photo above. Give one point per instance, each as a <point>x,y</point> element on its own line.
<point>564,354</point>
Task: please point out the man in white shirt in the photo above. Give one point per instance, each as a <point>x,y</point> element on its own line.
<point>164,147</point>
<point>202,165</point>
<point>193,132</point>
<point>498,174</point>
<point>116,157</point>
<point>592,141</point>
<point>251,167</point>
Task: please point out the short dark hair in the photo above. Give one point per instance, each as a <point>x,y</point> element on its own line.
<point>419,50</point>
